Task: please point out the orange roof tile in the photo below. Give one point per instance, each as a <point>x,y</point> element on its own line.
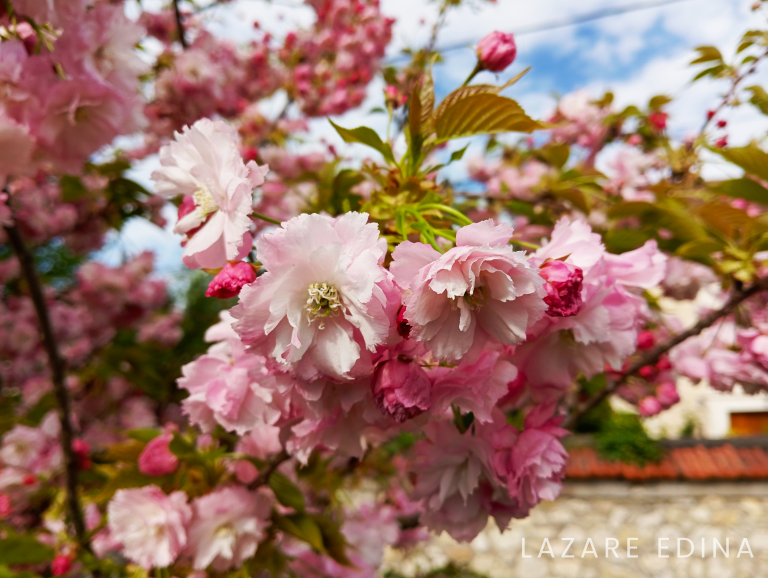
<point>700,462</point>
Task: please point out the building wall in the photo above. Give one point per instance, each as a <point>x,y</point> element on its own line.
<point>617,510</point>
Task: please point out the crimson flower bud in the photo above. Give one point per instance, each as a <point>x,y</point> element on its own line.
<point>722,123</point>
<point>658,120</point>
<point>645,340</point>
<point>61,565</point>
<point>496,51</point>
<point>563,286</point>
<point>722,142</point>
<point>649,406</point>
<point>230,280</point>
<point>401,389</point>
<point>710,114</point>
<point>157,458</point>
<point>83,452</point>
<point>667,394</point>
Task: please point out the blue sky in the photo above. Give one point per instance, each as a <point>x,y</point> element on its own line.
<point>637,55</point>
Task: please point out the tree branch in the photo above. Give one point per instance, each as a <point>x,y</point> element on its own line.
<point>179,24</point>
<point>652,356</point>
<point>56,363</point>
<point>263,477</point>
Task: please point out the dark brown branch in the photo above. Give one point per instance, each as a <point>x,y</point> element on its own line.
<point>264,474</point>
<point>179,24</point>
<point>56,363</point>
<point>652,356</point>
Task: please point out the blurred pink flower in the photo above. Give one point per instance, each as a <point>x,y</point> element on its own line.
<point>151,526</point>
<point>227,527</point>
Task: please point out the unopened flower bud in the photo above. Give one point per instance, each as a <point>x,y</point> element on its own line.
<point>563,286</point>
<point>230,280</point>
<point>401,389</point>
<point>83,452</point>
<point>157,458</point>
<point>61,565</point>
<point>496,51</point>
<point>658,120</point>
<point>667,394</point>
<point>649,406</point>
<point>645,340</point>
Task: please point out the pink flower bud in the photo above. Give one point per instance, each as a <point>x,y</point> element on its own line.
<point>230,280</point>
<point>563,285</point>
<point>401,389</point>
<point>496,51</point>
<point>157,458</point>
<point>5,506</point>
<point>722,142</point>
<point>645,340</point>
<point>722,123</point>
<point>667,394</point>
<point>61,565</point>
<point>83,452</point>
<point>649,406</point>
<point>658,120</point>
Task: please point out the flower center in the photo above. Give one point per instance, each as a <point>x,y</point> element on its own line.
<point>477,298</point>
<point>324,301</point>
<point>205,201</point>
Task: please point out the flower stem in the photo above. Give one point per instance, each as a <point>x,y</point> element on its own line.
<point>179,24</point>
<point>265,218</point>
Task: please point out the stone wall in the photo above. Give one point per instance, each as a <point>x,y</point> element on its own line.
<point>603,510</point>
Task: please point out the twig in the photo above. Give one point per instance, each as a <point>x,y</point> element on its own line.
<point>264,474</point>
<point>57,377</point>
<point>179,24</point>
<point>732,92</point>
<point>653,355</point>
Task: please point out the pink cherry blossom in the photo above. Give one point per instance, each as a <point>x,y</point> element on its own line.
<point>472,387</point>
<point>531,462</point>
<point>325,297</point>
<point>401,389</point>
<point>203,162</point>
<point>480,289</point>
<point>563,285</point>
<point>227,526</point>
<point>151,526</point>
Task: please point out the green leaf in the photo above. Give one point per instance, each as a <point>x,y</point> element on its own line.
<point>557,155</point>
<point>303,527</point>
<point>286,492</point>
<point>698,249</point>
<point>457,155</point>
<point>427,101</point>
<point>714,71</point>
<point>333,540</point>
<point>750,158</point>
<point>181,447</point>
<point>72,188</point>
<point>743,189</point>
<point>367,136</point>
<point>619,241</point>
<point>759,98</point>
<point>658,101</point>
<point>24,550</point>
<point>630,209</point>
<point>482,113</point>
<point>707,54</point>
<point>143,435</point>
